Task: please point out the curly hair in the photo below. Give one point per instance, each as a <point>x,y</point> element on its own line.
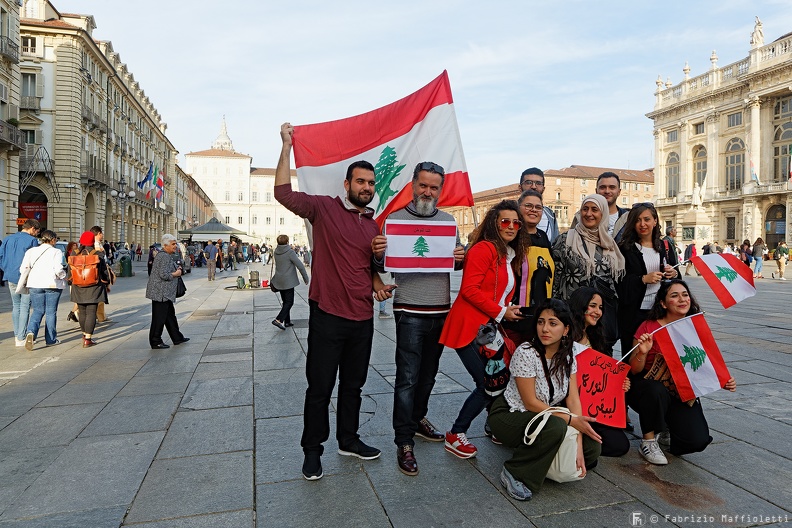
<point>488,230</point>
<point>578,305</point>
<point>563,358</point>
<point>657,311</point>
<point>630,236</point>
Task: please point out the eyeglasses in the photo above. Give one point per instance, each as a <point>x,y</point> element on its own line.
<point>532,183</point>
<point>431,167</point>
<point>529,207</point>
<point>644,204</point>
<point>505,223</point>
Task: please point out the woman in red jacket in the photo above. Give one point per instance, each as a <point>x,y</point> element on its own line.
<point>487,283</point>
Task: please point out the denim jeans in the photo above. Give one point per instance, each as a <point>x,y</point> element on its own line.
<point>45,303</point>
<point>417,359</point>
<point>759,265</point>
<point>478,399</point>
<point>20,312</point>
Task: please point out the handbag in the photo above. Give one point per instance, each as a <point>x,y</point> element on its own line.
<point>564,466</point>
<point>181,289</point>
<point>497,349</point>
<point>659,372</point>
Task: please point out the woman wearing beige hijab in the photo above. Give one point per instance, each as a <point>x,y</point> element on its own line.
<point>587,255</point>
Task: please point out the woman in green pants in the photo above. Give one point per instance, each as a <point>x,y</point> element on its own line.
<point>546,356</point>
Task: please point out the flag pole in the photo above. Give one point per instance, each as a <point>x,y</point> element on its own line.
<point>655,331</point>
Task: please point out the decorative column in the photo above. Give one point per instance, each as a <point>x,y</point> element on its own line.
<point>753,141</point>
<point>660,183</point>
<point>685,180</point>
<point>713,183</point>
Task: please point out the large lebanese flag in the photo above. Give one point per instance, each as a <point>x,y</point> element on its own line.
<point>394,138</point>
<point>692,356</point>
<point>730,279</point>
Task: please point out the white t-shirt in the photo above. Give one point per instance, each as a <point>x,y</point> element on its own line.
<point>651,260</point>
<point>525,363</point>
<point>612,222</point>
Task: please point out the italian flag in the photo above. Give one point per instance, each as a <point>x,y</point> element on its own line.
<point>161,184</point>
<point>692,356</point>
<point>730,279</point>
<point>394,138</point>
<point>420,247</point>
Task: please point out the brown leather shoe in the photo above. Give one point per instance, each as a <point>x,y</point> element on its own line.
<point>89,343</point>
<point>406,460</point>
<point>427,431</point>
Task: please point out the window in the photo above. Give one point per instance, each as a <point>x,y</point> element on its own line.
<point>28,85</point>
<point>733,120</point>
<point>672,136</point>
<point>672,175</point>
<point>636,186</point>
<point>582,197</point>
<point>731,227</point>
<point>239,220</point>
<point>268,197</point>
<point>698,128</point>
<point>783,108</point>
<point>648,188</point>
<point>781,152</point>
<point>624,200</point>
<point>228,196</point>
<point>268,220</point>
<point>558,196</point>
<point>254,220</point>
<point>735,164</point>
<point>558,181</point>
<point>241,196</point>
<point>254,196</point>
<point>583,183</point>
<point>227,219</point>
<point>281,221</point>
<point>699,165</point>
<point>561,213</point>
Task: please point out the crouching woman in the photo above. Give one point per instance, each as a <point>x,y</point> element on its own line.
<point>543,374</point>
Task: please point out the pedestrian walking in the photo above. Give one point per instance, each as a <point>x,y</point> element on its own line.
<point>88,297</point>
<point>161,289</point>
<point>46,280</point>
<point>210,253</point>
<point>285,279</point>
<point>12,251</point>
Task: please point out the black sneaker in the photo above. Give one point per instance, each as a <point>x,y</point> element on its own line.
<point>360,450</point>
<point>312,467</point>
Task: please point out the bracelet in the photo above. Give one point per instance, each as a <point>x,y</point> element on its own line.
<point>569,422</point>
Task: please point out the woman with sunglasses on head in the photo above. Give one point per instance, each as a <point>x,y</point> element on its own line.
<point>487,284</point>
<point>587,255</point>
<point>543,374</point>
<point>658,408</point>
<point>646,263</point>
<point>586,307</point>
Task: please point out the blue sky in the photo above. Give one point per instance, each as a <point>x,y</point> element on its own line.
<point>546,84</point>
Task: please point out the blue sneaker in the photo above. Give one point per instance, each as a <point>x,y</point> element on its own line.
<point>516,489</point>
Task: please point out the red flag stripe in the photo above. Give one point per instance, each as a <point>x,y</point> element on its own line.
<point>426,229</point>
<point>711,348</point>
<point>671,357</point>
<point>714,282</point>
<point>739,266</point>
<point>419,262</point>
<point>394,120</point>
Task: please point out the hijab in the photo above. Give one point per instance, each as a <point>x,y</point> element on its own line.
<point>584,241</point>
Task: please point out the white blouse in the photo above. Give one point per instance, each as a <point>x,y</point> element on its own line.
<point>525,363</point>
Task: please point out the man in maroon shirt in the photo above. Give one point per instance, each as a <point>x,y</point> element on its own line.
<point>341,324</point>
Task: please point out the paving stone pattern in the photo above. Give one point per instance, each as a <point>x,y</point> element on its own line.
<point>207,434</point>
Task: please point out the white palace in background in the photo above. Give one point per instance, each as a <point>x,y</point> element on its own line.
<point>722,147</point>
<point>242,195</point>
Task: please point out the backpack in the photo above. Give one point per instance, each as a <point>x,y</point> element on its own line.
<point>84,269</point>
<point>776,255</point>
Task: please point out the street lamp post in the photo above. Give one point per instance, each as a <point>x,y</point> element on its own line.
<point>122,198</point>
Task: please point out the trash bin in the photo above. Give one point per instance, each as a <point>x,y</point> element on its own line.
<point>126,266</point>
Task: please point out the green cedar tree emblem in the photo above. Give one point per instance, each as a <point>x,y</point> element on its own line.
<point>694,356</point>
<point>420,247</point>
<point>726,273</point>
<point>386,170</point>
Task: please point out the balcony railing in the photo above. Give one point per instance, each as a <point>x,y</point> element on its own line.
<point>30,102</point>
<point>11,138</point>
<point>9,49</point>
<point>86,114</point>
<point>95,174</point>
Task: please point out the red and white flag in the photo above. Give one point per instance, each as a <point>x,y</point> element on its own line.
<point>394,138</point>
<point>692,356</point>
<point>420,246</point>
<point>730,279</point>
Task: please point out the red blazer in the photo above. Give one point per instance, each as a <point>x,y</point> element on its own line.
<point>477,301</point>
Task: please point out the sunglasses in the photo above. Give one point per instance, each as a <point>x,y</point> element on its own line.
<point>431,167</point>
<point>644,204</point>
<point>505,223</point>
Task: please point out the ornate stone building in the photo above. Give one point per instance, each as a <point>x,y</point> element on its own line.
<point>564,191</point>
<point>90,133</point>
<point>722,146</point>
<point>12,141</point>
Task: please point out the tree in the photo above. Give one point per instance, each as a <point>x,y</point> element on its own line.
<point>386,171</point>
<point>420,247</point>
<point>726,273</point>
<point>694,356</point>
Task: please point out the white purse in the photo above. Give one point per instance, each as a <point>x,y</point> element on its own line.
<point>564,466</point>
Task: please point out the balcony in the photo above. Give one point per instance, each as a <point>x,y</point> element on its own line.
<point>94,176</point>
<point>86,114</point>
<point>30,102</point>
<point>9,49</point>
<point>103,126</point>
<point>11,139</point>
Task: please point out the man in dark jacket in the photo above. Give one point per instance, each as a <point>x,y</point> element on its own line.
<point>12,251</point>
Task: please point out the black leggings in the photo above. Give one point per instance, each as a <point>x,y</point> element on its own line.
<point>287,296</point>
<point>87,315</point>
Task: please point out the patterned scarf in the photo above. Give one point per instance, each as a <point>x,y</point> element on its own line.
<point>584,241</point>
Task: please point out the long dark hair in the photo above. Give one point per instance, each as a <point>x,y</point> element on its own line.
<point>578,305</point>
<point>563,358</point>
<point>488,230</point>
<point>630,236</point>
<point>658,312</point>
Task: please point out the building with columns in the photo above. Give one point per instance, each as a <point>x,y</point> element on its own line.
<point>12,142</point>
<point>81,166</point>
<point>243,196</point>
<point>722,146</point>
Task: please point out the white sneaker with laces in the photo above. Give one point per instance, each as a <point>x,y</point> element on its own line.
<point>651,451</point>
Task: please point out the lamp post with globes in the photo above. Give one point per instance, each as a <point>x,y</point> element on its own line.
<point>122,198</point>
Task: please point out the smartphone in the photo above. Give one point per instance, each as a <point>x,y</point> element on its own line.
<point>526,311</point>
<point>390,288</point>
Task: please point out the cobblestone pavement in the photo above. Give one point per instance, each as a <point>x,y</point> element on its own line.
<point>206,434</point>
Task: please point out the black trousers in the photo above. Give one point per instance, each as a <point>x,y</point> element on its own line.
<point>87,317</point>
<point>336,347</point>
<point>163,315</point>
<point>287,296</point>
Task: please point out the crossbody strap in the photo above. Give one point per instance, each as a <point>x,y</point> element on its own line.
<point>542,417</point>
<point>547,374</point>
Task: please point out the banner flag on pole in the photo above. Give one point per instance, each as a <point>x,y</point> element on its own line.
<point>692,356</point>
<point>394,138</point>
<point>730,279</point>
<point>142,183</point>
<point>417,247</point>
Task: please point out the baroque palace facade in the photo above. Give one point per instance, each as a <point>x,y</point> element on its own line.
<point>564,192</point>
<point>722,147</point>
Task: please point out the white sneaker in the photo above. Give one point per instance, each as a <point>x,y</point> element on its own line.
<point>652,452</point>
<point>19,343</point>
<point>783,278</point>
<point>29,341</point>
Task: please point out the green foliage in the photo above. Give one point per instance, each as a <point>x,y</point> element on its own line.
<point>726,273</point>
<point>694,356</point>
<point>386,170</point>
<point>420,247</point>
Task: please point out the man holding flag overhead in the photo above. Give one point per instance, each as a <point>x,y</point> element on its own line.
<point>341,323</point>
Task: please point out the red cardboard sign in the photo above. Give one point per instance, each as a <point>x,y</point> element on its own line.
<point>601,386</point>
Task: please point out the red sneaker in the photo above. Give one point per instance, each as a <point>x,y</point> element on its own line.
<point>458,444</point>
